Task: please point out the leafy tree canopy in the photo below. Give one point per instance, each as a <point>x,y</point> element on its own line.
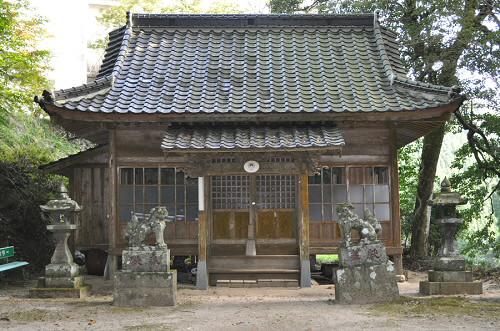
<point>22,65</point>
<point>25,132</point>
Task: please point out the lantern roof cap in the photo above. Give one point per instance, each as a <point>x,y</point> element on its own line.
<point>447,196</point>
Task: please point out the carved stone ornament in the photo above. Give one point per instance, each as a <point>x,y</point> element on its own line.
<point>137,231</point>
<point>368,228</point>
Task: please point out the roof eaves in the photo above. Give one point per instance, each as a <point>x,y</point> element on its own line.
<point>69,160</point>
<point>404,81</point>
<point>59,97</point>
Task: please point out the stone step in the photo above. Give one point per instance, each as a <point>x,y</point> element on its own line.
<point>247,283</point>
<point>257,262</point>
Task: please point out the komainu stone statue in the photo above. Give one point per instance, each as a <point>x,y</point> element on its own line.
<point>137,231</point>
<point>367,228</point>
<point>146,278</point>
<point>366,274</point>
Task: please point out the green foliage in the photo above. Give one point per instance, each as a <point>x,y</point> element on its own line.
<point>33,138</point>
<point>24,188</point>
<point>478,181</point>
<point>285,6</point>
<point>22,66</point>
<point>25,133</point>
<point>26,137</point>
<point>408,162</point>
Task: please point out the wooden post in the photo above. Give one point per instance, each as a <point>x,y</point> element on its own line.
<point>305,264</point>
<point>396,216</point>
<point>202,271</point>
<point>112,263</point>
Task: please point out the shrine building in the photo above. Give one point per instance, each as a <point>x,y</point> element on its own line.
<point>250,129</point>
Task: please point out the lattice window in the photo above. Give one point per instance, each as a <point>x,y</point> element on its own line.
<point>364,187</point>
<point>231,192</point>
<point>276,191</point>
<point>141,189</point>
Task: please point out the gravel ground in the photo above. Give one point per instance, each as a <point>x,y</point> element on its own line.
<point>250,309</point>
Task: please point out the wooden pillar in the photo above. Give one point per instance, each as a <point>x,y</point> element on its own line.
<point>112,263</point>
<point>305,264</point>
<point>396,216</point>
<point>202,271</point>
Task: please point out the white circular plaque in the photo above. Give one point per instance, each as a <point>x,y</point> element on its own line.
<point>251,166</point>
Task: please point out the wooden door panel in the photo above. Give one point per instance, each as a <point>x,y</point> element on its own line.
<point>230,224</point>
<point>276,224</point>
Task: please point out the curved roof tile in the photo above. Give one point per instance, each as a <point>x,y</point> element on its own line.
<point>251,64</point>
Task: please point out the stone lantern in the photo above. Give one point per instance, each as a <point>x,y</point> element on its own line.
<point>449,275</point>
<point>62,275</point>
<point>446,203</point>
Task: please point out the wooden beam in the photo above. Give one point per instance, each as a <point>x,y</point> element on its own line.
<point>395,212</point>
<point>305,266</point>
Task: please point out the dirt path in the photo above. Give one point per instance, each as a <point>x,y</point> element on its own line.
<point>250,309</point>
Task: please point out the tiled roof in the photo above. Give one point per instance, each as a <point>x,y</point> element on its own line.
<point>252,64</point>
<point>252,137</point>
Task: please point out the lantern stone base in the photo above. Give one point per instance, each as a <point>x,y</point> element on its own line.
<point>451,288</point>
<point>59,292</point>
<point>59,282</point>
<point>449,278</point>
<point>366,284</point>
<point>142,289</point>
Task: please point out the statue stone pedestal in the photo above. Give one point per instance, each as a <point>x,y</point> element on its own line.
<point>449,275</point>
<point>146,278</point>
<point>366,274</point>
<point>62,276</point>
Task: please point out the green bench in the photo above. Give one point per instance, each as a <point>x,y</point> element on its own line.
<point>5,254</point>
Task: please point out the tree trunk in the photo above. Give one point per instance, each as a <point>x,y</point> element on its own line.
<point>428,165</point>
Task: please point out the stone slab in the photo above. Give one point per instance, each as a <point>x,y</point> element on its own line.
<point>62,270</point>
<point>64,282</point>
<point>48,292</point>
<point>146,260</point>
<point>369,254</point>
<point>449,264</point>
<point>366,284</point>
<point>450,288</point>
<point>143,289</point>
<point>450,276</point>
<point>126,279</point>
